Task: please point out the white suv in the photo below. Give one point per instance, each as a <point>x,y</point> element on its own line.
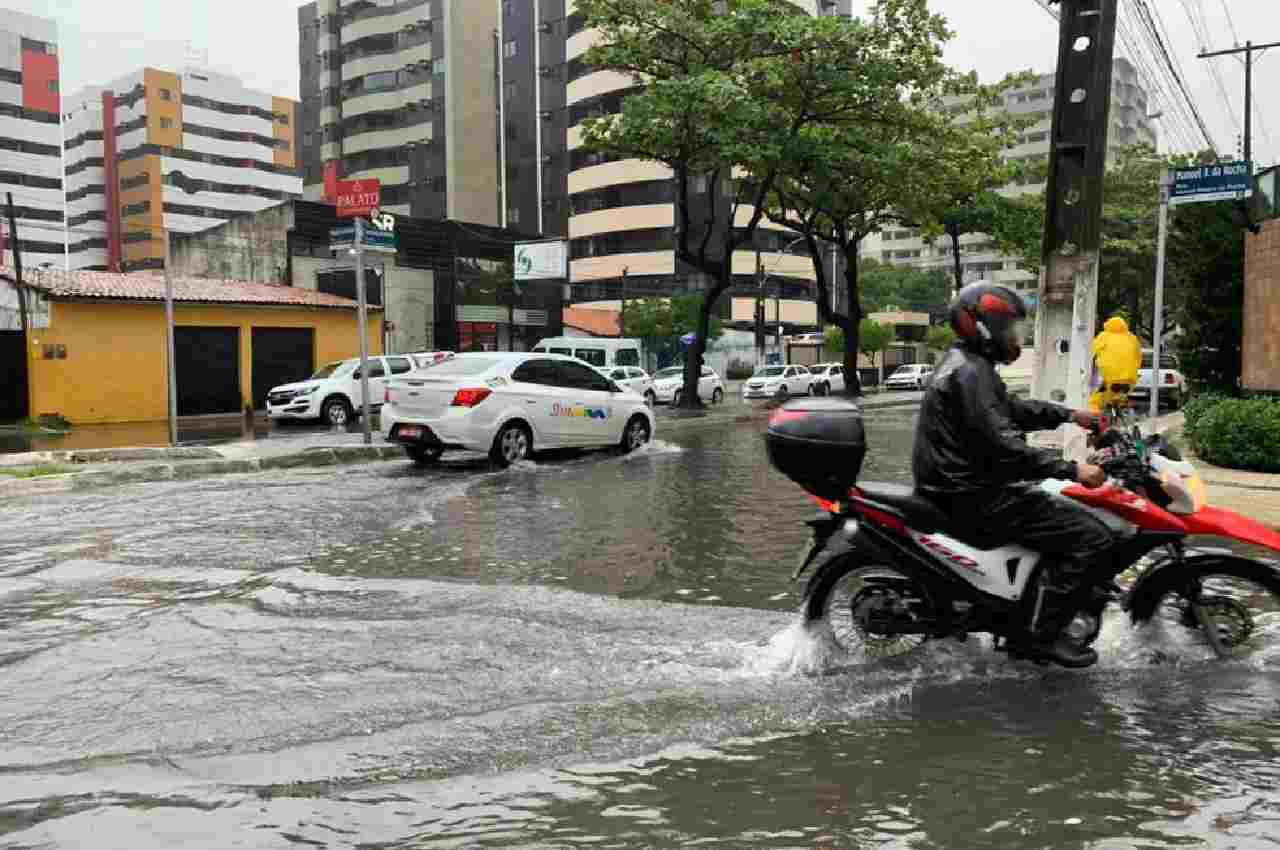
<point>332,394</point>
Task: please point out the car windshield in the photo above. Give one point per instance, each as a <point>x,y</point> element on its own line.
<point>329,369</point>
<point>671,372</point>
<point>769,372</point>
<point>464,365</point>
<point>905,370</point>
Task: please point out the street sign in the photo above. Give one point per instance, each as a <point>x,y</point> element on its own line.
<point>1223,181</point>
<point>358,197</point>
<point>380,241</point>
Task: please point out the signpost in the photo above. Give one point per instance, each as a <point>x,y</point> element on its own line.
<point>358,198</point>
<point>1222,181</point>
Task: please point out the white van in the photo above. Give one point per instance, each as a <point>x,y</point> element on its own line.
<point>603,353</point>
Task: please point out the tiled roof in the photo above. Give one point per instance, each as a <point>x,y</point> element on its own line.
<point>147,286</point>
<point>594,322</point>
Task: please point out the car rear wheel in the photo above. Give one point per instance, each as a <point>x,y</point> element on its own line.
<point>675,398</point>
<point>649,398</point>
<point>511,445</point>
<point>717,396</point>
<point>783,392</point>
<point>424,455</point>
<point>636,434</point>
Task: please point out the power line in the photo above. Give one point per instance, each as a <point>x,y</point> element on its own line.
<point>1178,121</point>
<point>1201,29</point>
<point>1231,23</point>
<point>1151,27</point>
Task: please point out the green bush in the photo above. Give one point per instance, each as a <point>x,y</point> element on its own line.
<point>1238,433</point>
<point>1195,409</point>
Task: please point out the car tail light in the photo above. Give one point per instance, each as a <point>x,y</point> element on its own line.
<point>470,397</point>
<point>1168,378</point>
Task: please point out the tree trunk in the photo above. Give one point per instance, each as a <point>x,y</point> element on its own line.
<point>689,399</point>
<point>954,233</point>
<point>852,379</point>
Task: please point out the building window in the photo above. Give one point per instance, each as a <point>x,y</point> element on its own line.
<point>165,94</point>
<point>437,65</point>
<point>507,6</point>
<point>509,49</point>
<point>166,123</point>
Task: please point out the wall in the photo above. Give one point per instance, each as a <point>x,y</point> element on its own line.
<point>114,369</point>
<point>1261,344</point>
<point>247,247</point>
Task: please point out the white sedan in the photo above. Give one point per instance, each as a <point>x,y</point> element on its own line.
<point>668,385</point>
<point>778,381</point>
<point>632,378</point>
<point>511,404</point>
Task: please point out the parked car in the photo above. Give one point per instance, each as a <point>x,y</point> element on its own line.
<point>1173,384</point>
<point>509,405</point>
<point>913,376</point>
<point>603,353</point>
<point>828,378</point>
<point>332,394</point>
<point>668,385</point>
<point>778,381</point>
<point>634,379</point>
<point>427,359</point>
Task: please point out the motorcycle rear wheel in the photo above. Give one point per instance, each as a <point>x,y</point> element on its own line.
<point>856,603</point>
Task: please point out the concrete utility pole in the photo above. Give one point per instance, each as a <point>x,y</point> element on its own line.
<point>1067,311</point>
<point>171,353</point>
<point>1248,50</point>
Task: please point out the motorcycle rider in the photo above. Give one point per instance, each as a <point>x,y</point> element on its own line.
<point>970,463</point>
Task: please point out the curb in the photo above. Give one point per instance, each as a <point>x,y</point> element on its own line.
<point>122,455</point>
<point>196,468</point>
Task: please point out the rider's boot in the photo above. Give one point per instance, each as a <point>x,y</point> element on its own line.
<point>1048,638</point>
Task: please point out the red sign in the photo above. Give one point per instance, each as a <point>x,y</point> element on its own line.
<point>358,197</point>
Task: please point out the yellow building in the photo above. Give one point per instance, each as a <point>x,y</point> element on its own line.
<point>102,358</point>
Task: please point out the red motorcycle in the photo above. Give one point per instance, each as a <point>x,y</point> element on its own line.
<point>888,570</point>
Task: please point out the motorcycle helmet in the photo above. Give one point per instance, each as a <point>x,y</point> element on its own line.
<point>989,319</point>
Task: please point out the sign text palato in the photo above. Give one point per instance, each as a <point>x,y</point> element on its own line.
<point>358,197</point>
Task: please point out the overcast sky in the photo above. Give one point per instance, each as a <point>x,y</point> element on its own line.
<point>258,41</point>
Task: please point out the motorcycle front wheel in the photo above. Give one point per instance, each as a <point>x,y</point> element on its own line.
<point>877,611</point>
<point>1231,603</point>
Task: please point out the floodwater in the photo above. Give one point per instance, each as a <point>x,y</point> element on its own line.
<point>583,651</point>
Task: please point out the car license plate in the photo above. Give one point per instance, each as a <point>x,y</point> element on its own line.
<point>409,432</point>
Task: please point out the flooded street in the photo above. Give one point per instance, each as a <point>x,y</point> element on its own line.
<point>584,650</point>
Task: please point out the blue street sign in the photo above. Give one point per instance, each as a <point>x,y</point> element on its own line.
<point>1223,181</point>
<point>379,241</point>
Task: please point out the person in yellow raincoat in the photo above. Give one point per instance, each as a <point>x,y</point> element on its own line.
<point>1117,356</point>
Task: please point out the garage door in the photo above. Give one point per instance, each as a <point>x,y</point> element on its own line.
<point>208,370</point>
<point>280,356</point>
<point>13,376</point>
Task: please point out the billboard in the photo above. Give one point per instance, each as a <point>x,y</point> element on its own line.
<point>541,260</point>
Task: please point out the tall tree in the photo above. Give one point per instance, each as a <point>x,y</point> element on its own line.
<point>910,163</point>
<point>886,287</point>
<point>731,86</point>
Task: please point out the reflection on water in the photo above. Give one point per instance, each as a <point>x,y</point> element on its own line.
<point>714,523</point>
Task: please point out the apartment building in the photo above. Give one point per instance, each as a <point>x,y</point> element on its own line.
<point>621,212</point>
<point>404,91</point>
<point>31,136</point>
<point>159,151</point>
<point>1130,125</point>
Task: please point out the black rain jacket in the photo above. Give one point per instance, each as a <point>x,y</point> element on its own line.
<point>968,438</point>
